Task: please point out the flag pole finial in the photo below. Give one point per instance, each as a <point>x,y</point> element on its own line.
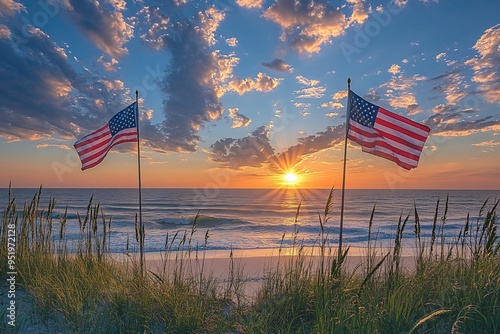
<point>349,83</point>
<point>136,94</point>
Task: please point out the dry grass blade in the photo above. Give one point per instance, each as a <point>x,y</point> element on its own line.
<point>428,318</point>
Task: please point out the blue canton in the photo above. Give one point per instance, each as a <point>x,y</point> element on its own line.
<point>362,111</point>
<point>123,120</point>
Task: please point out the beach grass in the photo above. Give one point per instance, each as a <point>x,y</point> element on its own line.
<point>447,286</point>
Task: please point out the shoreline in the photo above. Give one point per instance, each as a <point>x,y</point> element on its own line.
<point>273,252</point>
<point>251,267</point>
<point>255,263</point>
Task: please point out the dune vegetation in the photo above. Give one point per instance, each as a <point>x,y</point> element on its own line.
<point>67,286</point>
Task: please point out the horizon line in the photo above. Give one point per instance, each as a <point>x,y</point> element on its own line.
<point>255,188</point>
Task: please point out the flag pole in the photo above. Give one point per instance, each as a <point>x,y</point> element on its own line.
<point>343,171</point>
<point>141,226</point>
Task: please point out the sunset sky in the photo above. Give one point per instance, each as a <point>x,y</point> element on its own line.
<point>238,93</point>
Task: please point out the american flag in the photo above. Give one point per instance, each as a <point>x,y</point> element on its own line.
<point>384,133</point>
<point>121,128</point>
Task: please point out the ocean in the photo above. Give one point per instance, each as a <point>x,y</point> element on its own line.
<point>260,218</point>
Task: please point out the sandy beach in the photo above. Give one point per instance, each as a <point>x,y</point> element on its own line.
<point>251,265</point>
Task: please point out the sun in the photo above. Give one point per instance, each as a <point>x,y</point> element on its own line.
<point>291,178</point>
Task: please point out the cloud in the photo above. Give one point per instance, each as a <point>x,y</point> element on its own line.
<point>209,22</point>
<point>278,65</point>
<point>450,121</point>
<point>103,24</point>
<point>238,119</point>
<point>263,83</point>
<point>441,55</point>
<point>232,42</point>
<point>64,147</point>
<point>335,104</point>
<point>196,79</point>
<point>323,139</point>
<point>402,83</point>
<point>312,91</point>
<point>332,105</point>
<point>61,102</point>
<point>489,143</point>
<point>398,90</point>
<point>306,146</point>
<point>190,86</point>
<point>487,65</point>
<point>157,24</point>
<point>450,84</point>
<point>250,3</point>
<point>112,85</point>
<point>4,32</point>
<point>255,149</point>
<point>433,148</point>
<point>223,70</point>
<point>110,66</point>
<point>443,108</point>
<point>360,11</point>
<point>394,69</point>
<point>341,94</point>
<point>306,82</point>
<point>250,151</point>
<point>178,2</point>
<point>10,7</point>
<point>304,108</point>
<point>406,101</point>
<point>307,25</point>
<point>400,3</point>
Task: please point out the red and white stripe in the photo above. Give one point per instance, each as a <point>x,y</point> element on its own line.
<point>94,147</point>
<point>393,137</point>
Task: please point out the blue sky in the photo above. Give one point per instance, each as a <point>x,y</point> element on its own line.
<point>235,93</point>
